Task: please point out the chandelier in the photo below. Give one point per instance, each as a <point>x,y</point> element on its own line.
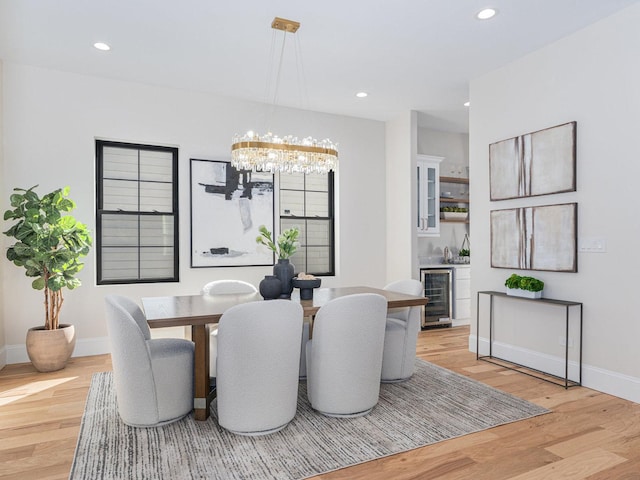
<point>287,154</point>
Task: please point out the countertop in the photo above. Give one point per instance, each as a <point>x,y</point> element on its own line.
<point>445,265</point>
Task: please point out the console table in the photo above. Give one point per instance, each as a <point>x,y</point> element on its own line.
<point>567,305</point>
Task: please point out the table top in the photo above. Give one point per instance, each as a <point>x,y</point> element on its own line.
<point>185,310</point>
<point>539,300</point>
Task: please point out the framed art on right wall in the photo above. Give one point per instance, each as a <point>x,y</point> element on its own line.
<point>537,163</point>
<point>535,238</point>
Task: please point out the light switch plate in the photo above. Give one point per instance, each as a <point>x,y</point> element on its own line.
<point>592,245</point>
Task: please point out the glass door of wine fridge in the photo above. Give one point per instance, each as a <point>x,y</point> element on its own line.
<point>437,284</point>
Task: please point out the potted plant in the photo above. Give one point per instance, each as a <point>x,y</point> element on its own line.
<point>464,254</point>
<point>454,213</point>
<point>528,287</point>
<point>284,248</point>
<point>49,246</point>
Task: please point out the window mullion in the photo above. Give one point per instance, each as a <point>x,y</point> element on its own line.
<point>139,223</point>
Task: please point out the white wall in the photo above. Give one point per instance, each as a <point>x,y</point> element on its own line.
<point>591,77</point>
<point>454,147</point>
<point>50,122</point>
<point>3,264</point>
<point>401,257</point>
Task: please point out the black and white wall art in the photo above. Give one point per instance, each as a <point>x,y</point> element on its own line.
<point>532,164</point>
<point>227,207</point>
<point>535,238</point>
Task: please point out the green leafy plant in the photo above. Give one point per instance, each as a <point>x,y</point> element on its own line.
<point>48,245</point>
<point>464,252</point>
<point>454,209</point>
<point>530,284</point>
<point>286,244</point>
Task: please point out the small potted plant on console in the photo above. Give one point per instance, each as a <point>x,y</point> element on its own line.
<point>527,287</point>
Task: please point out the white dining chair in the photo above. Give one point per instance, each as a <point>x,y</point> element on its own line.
<point>153,377</point>
<point>228,287</point>
<point>401,335</point>
<point>344,356</point>
<point>306,329</point>
<point>222,287</point>
<point>258,361</point>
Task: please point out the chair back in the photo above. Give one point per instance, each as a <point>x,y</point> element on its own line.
<point>344,357</point>
<point>132,370</point>
<point>257,366</point>
<point>228,287</point>
<point>136,312</point>
<point>408,287</point>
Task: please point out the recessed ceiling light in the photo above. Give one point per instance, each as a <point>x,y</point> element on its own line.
<point>361,94</point>
<point>486,13</point>
<point>466,104</point>
<point>102,46</point>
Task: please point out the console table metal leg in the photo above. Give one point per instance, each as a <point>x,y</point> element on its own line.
<point>566,349</point>
<point>478,326</point>
<point>580,341</point>
<point>491,326</point>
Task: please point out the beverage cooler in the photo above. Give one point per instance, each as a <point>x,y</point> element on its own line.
<point>438,286</point>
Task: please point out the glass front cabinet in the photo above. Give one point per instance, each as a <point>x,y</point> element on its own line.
<point>428,174</point>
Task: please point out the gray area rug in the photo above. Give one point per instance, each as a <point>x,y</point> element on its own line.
<point>434,405</point>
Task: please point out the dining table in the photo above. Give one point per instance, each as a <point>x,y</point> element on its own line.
<point>201,311</point>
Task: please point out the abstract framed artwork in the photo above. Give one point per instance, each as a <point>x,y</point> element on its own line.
<point>535,238</point>
<point>537,163</point>
<point>227,207</point>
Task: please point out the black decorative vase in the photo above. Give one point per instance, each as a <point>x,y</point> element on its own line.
<point>283,270</point>
<point>306,287</point>
<point>270,287</point>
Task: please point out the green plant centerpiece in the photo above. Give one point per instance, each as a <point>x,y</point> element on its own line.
<point>284,247</point>
<point>524,286</point>
<point>286,244</point>
<point>49,246</point>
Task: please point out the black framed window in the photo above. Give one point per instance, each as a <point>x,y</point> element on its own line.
<point>306,201</point>
<point>136,213</point>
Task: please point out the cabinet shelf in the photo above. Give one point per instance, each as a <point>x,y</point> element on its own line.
<point>464,181</point>
<point>454,200</point>
<point>448,220</point>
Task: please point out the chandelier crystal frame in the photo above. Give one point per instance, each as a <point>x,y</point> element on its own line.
<point>270,153</point>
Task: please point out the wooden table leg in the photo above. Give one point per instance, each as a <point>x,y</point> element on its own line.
<point>200,336</point>
<point>311,319</point>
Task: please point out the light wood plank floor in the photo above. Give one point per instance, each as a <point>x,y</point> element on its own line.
<point>589,435</point>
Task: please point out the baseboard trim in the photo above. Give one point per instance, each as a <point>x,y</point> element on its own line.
<point>3,357</point>
<point>596,378</point>
<point>85,347</point>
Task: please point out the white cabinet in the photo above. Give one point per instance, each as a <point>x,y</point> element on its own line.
<point>462,295</point>
<point>428,218</point>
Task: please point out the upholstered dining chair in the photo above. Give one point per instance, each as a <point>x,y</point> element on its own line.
<point>228,287</point>
<point>401,335</point>
<point>344,356</point>
<point>222,287</point>
<point>306,326</point>
<point>153,377</point>
<point>258,361</point>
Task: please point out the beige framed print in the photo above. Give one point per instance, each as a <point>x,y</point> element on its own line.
<point>535,238</point>
<point>537,163</point>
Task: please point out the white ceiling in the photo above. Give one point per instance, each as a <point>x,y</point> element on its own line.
<point>407,54</point>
